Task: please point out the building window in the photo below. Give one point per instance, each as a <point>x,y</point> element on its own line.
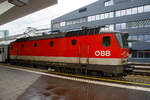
<point>35,44</point>
<point>122,12</point>
<point>134,54</point>
<point>73,42</point>
<point>134,10</point>
<point>93,18</point>
<point>147,37</point>
<point>106,15</point>
<point>140,37</point>
<point>121,26</point>
<point>97,17</point>
<point>146,8</point>
<point>89,18</point>
<point>118,27</point>
<point>109,3</point>
<point>118,13</point>
<point>146,54</point>
<point>51,43</point>
<point>82,20</point>
<point>106,41</point>
<point>62,24</point>
<point>140,9</point>
<point>128,11</point>
<point>56,25</point>
<point>102,16</point>
<point>140,54</point>
<point>111,14</point>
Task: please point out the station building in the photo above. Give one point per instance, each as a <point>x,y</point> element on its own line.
<point>132,16</point>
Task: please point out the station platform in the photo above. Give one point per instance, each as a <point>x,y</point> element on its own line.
<point>18,84</point>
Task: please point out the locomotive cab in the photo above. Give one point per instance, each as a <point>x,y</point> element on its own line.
<point>125,51</point>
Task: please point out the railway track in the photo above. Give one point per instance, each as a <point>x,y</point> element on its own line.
<point>141,70</point>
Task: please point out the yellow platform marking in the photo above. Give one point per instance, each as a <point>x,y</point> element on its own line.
<point>101,79</point>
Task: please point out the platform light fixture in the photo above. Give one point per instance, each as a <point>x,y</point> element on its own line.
<point>18,3</point>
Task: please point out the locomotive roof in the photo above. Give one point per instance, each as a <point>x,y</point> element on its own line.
<point>88,31</point>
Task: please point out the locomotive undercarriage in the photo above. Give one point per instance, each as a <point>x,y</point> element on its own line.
<point>82,69</point>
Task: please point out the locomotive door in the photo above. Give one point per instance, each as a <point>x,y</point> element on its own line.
<point>84,50</point>
<point>17,53</point>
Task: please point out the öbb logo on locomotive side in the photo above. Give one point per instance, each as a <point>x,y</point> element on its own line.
<point>102,53</point>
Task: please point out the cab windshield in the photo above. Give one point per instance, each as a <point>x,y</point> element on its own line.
<point>122,39</point>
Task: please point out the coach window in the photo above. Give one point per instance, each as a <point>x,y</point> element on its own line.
<point>35,44</point>
<point>51,43</point>
<point>106,41</point>
<point>73,42</point>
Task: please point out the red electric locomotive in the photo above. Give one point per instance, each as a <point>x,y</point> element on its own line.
<point>87,50</point>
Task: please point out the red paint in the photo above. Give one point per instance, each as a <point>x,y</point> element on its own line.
<point>63,47</point>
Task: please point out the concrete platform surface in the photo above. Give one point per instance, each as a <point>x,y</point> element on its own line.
<point>22,85</point>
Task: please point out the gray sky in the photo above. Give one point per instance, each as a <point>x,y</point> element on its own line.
<point>41,19</point>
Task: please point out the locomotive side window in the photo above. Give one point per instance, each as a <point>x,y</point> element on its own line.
<point>73,42</point>
<point>22,45</point>
<point>51,43</point>
<point>35,44</point>
<point>106,41</point>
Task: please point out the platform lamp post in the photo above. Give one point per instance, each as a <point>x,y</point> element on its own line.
<point>18,3</point>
